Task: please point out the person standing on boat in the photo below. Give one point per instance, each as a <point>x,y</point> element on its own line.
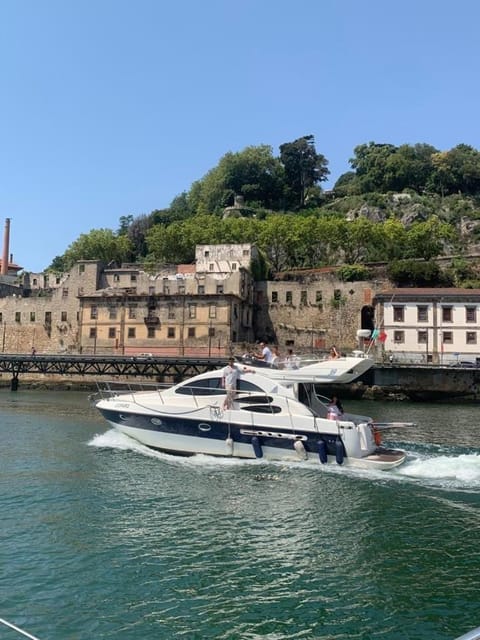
<point>230,376</point>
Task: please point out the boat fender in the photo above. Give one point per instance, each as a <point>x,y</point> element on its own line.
<point>339,451</point>
<point>257,447</point>
<point>322,451</point>
<point>377,436</point>
<point>229,446</point>
<point>300,449</point>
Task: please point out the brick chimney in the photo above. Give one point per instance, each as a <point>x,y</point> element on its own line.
<point>6,247</point>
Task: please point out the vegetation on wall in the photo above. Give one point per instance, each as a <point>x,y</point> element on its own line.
<point>397,204</point>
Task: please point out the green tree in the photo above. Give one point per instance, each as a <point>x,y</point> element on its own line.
<point>98,244</point>
<point>457,171</point>
<point>370,164</point>
<point>427,240</point>
<point>253,173</point>
<point>304,168</point>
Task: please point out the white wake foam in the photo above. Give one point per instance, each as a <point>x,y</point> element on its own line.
<point>462,469</point>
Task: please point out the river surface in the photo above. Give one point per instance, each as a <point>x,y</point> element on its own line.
<point>103,538</point>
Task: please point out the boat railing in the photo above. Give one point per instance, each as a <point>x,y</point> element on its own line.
<point>108,389</point>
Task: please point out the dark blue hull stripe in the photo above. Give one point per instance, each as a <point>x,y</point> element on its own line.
<point>217,430</point>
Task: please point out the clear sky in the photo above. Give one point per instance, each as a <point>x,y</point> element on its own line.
<point>114,107</point>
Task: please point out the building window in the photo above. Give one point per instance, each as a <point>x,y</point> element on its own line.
<point>65,293</point>
<point>303,297</point>
<point>318,297</point>
<point>131,332</point>
<point>211,332</point>
<point>133,277</point>
<point>81,268</point>
<point>201,290</point>
<point>63,316</point>
<point>1,316</point>
<point>132,311</point>
<point>471,337</point>
<point>288,297</point>
<point>116,277</point>
<point>471,314</point>
<point>151,332</point>
<point>399,314</point>
<point>191,332</point>
<point>166,289</point>
<point>206,254</point>
<point>246,253</point>
<point>274,296</point>
<point>337,294</point>
<point>447,337</point>
<point>219,288</point>
<point>211,266</point>
<point>212,311</point>
<point>171,311</point>
<point>93,332</point>
<point>192,311</point>
<point>18,316</point>
<point>32,316</point>
<point>181,289</point>
<point>447,314</point>
<point>93,312</point>
<point>399,337</point>
<point>422,337</point>
<point>34,282</point>
<point>171,332</point>
<point>111,332</point>
<point>234,266</point>
<point>422,313</point>
<point>112,313</point>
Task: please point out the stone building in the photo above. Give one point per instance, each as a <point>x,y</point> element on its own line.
<point>206,308</point>
<point>195,310</point>
<point>46,317</point>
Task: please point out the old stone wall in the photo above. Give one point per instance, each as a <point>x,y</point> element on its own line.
<point>314,310</point>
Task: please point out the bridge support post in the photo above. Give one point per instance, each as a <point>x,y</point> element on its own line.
<point>14,384</point>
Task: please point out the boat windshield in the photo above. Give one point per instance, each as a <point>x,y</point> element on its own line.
<point>213,386</point>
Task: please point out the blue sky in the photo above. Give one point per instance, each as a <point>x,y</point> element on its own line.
<point>114,107</point>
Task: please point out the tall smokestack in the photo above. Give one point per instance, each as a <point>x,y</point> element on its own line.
<point>6,247</point>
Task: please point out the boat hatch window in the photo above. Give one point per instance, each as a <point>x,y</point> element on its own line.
<point>262,408</point>
<point>263,399</point>
<point>210,387</point>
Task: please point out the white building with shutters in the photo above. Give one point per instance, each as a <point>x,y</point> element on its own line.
<point>429,325</point>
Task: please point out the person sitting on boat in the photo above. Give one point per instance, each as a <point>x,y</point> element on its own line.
<point>230,376</point>
<point>335,409</point>
<point>291,361</point>
<point>276,360</point>
<point>334,354</point>
<point>265,354</point>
